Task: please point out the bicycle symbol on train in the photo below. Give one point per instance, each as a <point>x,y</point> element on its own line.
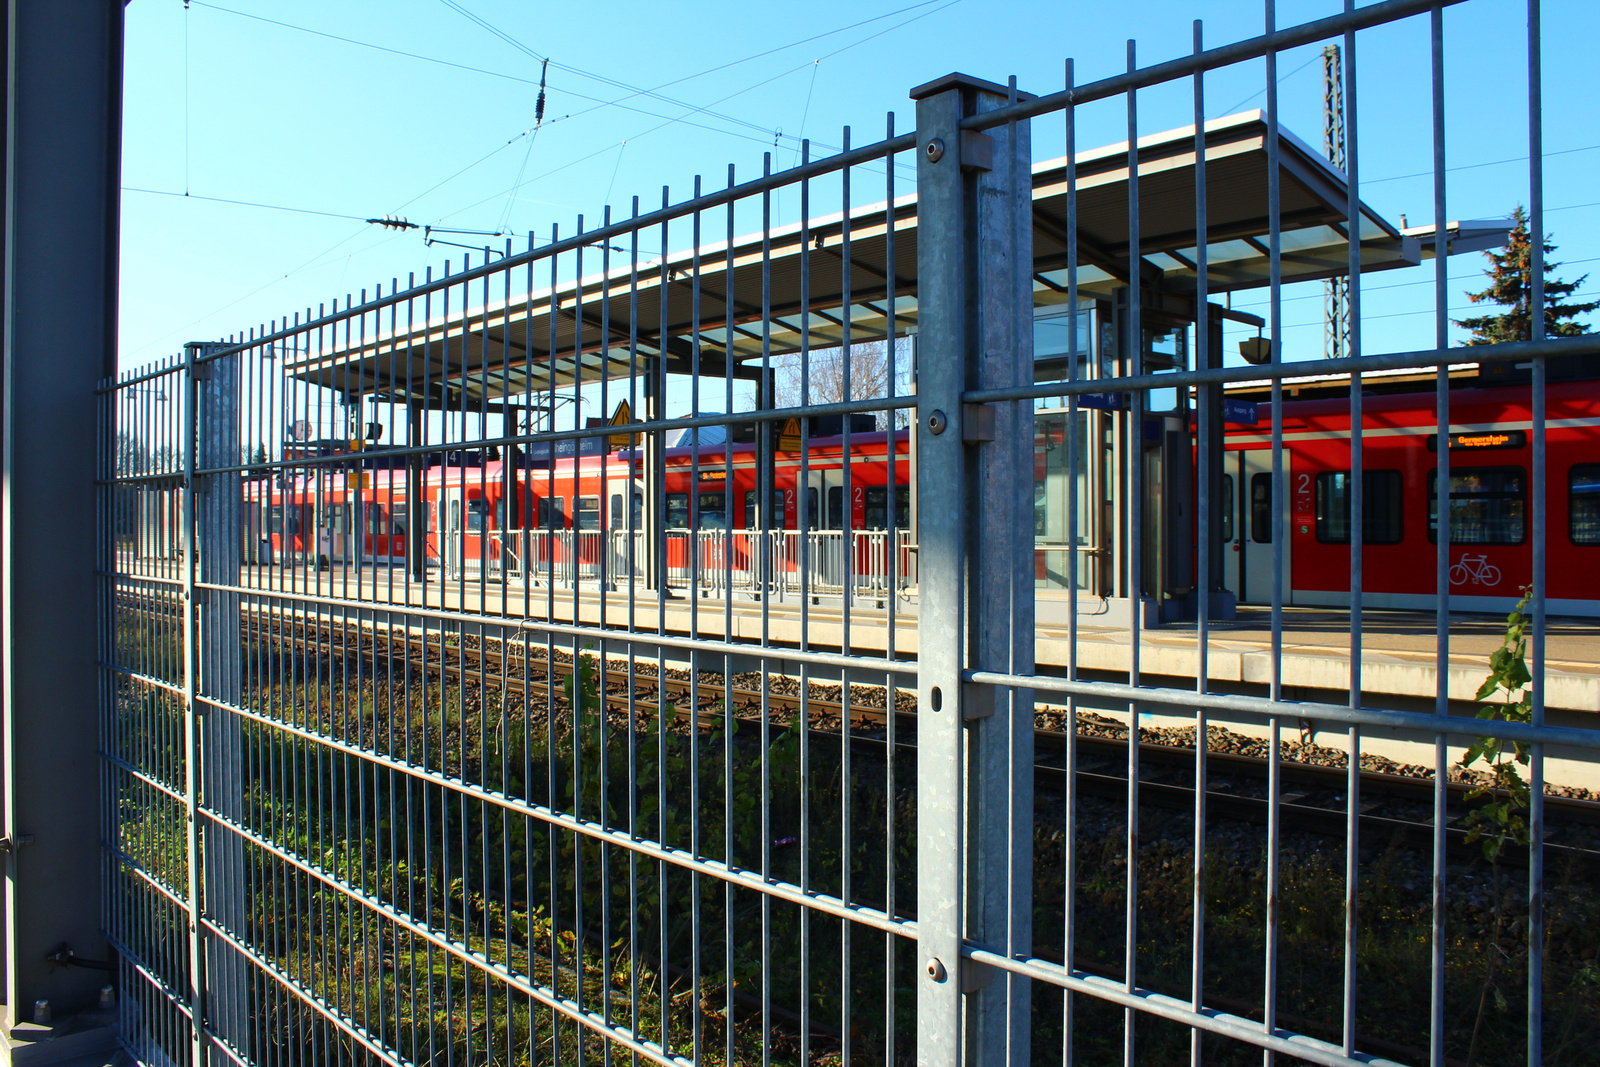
<point>1476,569</point>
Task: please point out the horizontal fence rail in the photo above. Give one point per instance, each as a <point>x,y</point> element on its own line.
<point>722,634</point>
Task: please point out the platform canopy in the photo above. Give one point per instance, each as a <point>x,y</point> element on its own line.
<point>612,322</point>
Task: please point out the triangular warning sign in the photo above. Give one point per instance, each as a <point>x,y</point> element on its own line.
<point>789,436</point>
<point>621,417</point>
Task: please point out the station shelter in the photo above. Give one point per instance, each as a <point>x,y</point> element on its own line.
<point>702,312</point>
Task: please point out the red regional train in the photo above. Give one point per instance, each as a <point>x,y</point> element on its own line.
<point>472,515</point>
<point>1490,500</point>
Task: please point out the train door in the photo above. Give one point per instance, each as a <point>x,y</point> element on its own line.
<point>452,529</point>
<point>1229,528</point>
<point>1255,529</point>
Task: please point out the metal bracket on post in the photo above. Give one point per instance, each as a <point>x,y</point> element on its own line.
<point>977,701</point>
<point>975,976</point>
<point>977,423</point>
<point>9,845</point>
<point>977,150</point>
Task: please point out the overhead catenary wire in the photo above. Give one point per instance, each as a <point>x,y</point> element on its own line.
<point>247,203</point>
<point>813,64</point>
<point>598,102</point>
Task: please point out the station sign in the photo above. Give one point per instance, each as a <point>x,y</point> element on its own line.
<point>1481,440</point>
<point>1241,412</point>
<point>587,446</point>
<point>1100,401</point>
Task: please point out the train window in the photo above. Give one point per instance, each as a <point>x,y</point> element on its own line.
<point>617,514</point>
<point>550,514</point>
<point>875,508</point>
<point>713,511</point>
<point>1226,525</point>
<point>1261,508</point>
<point>835,507</point>
<point>377,516</point>
<point>677,511</point>
<point>1488,506</point>
<point>477,515</point>
<point>638,511</point>
<point>586,513</point>
<point>774,517</point>
<point>1583,504</point>
<point>1380,507</point>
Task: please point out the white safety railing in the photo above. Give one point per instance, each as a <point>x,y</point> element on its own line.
<point>714,562</point>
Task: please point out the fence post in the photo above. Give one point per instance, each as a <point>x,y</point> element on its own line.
<point>975,488</point>
<point>219,540</point>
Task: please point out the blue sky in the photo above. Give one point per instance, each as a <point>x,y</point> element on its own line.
<point>220,104</point>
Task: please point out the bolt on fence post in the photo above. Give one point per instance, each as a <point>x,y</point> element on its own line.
<point>974,257</point>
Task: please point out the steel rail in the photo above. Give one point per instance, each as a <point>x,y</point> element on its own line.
<point>1580,345</point>
<point>1171,1008</point>
<point>430,656</point>
<point>1200,62</point>
<point>479,444</point>
<point>778,180</point>
<point>626,638</point>
<point>666,854</point>
<point>1456,726</point>
<point>706,714</point>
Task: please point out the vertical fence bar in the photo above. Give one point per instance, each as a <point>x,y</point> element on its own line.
<point>1131,342</point>
<point>1204,443</point>
<point>1442,526</point>
<point>1357,532</point>
<point>198,1046</point>
<point>1540,533</point>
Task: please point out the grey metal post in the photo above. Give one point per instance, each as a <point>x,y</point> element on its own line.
<point>417,524</point>
<point>62,121</point>
<point>219,538</point>
<point>975,256</point>
<point>1210,406</point>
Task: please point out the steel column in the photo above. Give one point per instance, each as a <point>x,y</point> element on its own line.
<point>63,84</point>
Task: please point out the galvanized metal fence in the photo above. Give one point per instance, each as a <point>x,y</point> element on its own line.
<point>396,777</point>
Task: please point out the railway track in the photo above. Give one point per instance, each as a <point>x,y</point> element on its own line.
<point>1311,797</point>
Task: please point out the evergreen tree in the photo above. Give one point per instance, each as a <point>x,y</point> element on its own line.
<point>1511,286</point>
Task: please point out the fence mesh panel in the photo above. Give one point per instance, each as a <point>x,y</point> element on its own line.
<point>648,640</point>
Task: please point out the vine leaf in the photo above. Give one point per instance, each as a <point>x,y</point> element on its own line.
<point>1499,821</point>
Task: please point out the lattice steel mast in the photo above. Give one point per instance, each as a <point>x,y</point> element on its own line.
<point>1336,291</point>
